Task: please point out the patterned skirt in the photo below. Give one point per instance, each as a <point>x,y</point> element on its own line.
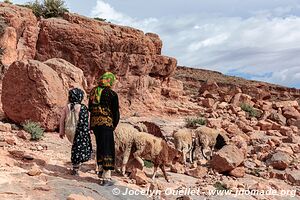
<point>105,147</point>
<point>82,145</point>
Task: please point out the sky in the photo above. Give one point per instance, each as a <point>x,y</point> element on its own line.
<point>254,39</point>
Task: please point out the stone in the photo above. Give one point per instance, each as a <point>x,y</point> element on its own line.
<point>227,159</point>
<point>5,127</point>
<point>23,135</point>
<point>283,104</point>
<point>177,168</point>
<point>79,197</point>
<point>264,125</point>
<point>11,140</point>
<point>139,176</point>
<point>277,117</point>
<point>17,153</point>
<point>214,123</point>
<point>279,160</point>
<point>198,172</point>
<point>279,174</point>
<point>208,102</point>
<point>238,172</point>
<point>222,105</point>
<point>291,112</point>
<point>34,171</point>
<point>294,177</point>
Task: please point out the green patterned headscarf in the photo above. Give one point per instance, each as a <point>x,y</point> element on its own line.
<point>106,80</point>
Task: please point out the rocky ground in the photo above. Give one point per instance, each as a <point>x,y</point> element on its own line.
<point>40,170</point>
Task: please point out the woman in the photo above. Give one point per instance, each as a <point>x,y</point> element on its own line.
<point>104,108</point>
<point>82,146</point>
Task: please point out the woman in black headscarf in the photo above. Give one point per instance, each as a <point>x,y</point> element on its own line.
<point>82,146</point>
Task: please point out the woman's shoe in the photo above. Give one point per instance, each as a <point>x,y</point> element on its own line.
<point>107,183</point>
<point>74,172</point>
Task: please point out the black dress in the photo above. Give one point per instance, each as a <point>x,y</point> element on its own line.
<point>82,146</point>
<point>105,117</point>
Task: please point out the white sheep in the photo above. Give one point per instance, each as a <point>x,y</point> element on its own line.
<point>184,142</point>
<point>210,139</point>
<point>124,137</point>
<point>147,146</point>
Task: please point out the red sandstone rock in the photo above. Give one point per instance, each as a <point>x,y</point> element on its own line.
<point>39,92</point>
<point>227,159</point>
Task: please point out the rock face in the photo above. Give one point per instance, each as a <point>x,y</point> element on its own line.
<point>33,90</point>
<point>96,47</point>
<point>227,159</point>
<point>20,33</point>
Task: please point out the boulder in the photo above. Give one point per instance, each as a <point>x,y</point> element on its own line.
<point>284,104</point>
<point>294,177</point>
<point>291,112</point>
<point>279,160</point>
<point>227,159</point>
<point>139,176</point>
<point>39,92</point>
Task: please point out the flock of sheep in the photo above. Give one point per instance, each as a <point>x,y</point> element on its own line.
<point>136,143</point>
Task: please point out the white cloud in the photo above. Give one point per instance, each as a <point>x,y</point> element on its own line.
<point>264,43</point>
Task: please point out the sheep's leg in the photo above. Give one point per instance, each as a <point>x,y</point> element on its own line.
<point>136,155</point>
<point>204,155</point>
<point>162,167</point>
<point>154,172</point>
<point>191,155</point>
<point>125,160</point>
<point>184,156</point>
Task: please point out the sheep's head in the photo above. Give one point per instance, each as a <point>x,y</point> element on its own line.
<point>174,155</point>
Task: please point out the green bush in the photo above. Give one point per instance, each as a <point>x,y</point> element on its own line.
<point>34,128</point>
<point>99,19</point>
<point>250,110</point>
<point>194,122</point>
<point>148,164</point>
<point>47,9</point>
<point>220,186</point>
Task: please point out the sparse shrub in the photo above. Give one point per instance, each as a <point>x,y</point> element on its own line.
<point>255,172</point>
<point>220,186</point>
<point>148,164</point>
<point>34,128</point>
<point>250,110</point>
<point>194,122</point>
<point>99,19</point>
<point>47,9</point>
<point>7,1</point>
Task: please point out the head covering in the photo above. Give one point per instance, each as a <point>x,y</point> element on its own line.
<point>106,80</point>
<point>75,95</point>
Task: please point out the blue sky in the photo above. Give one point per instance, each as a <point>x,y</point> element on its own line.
<point>255,39</point>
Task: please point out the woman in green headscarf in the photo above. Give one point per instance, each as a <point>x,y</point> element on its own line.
<point>104,109</point>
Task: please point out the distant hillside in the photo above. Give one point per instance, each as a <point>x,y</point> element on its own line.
<point>193,78</point>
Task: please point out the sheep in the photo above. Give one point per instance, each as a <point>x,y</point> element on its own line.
<point>209,138</point>
<point>156,150</point>
<point>184,142</point>
<point>146,146</point>
<point>124,138</point>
